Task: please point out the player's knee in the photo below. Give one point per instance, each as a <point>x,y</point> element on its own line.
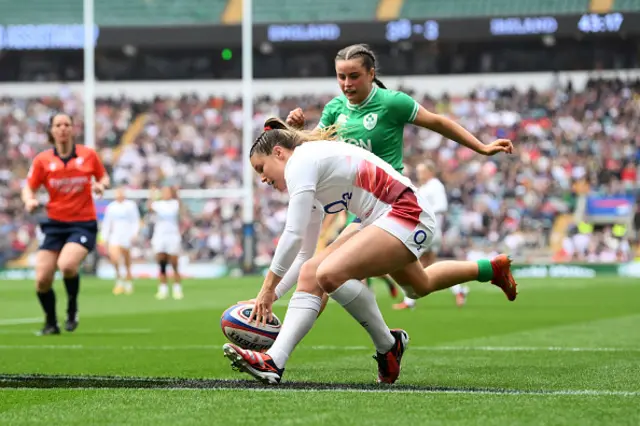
<point>114,254</point>
<point>44,281</point>
<point>307,278</point>
<point>68,268</point>
<point>163,266</point>
<point>329,278</point>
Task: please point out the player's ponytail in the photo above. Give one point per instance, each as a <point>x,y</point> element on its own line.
<point>369,61</point>
<point>278,133</point>
<point>377,81</point>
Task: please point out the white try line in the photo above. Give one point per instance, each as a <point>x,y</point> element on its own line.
<point>92,331</point>
<point>480,348</point>
<point>320,348</point>
<point>496,392</point>
<point>19,321</point>
<point>32,382</point>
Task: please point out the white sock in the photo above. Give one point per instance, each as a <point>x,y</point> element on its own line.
<point>408,301</point>
<point>460,289</point>
<point>163,288</point>
<point>128,285</point>
<point>177,287</point>
<point>301,315</point>
<point>362,305</point>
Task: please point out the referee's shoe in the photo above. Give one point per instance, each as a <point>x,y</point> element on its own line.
<point>72,322</point>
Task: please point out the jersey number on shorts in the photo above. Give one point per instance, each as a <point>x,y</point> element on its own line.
<point>340,205</point>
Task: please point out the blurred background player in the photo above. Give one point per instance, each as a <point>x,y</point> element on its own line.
<point>120,227</point>
<point>433,191</point>
<point>167,240</point>
<point>71,227</point>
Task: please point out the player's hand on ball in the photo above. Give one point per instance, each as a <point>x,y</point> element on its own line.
<point>31,205</point>
<point>500,145</point>
<point>262,311</point>
<point>296,118</point>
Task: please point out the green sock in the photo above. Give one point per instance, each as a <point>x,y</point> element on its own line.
<point>485,271</point>
<point>388,282</point>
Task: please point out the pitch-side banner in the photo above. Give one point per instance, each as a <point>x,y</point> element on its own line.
<point>620,206</point>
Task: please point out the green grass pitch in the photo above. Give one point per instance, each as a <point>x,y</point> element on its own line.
<point>567,351</point>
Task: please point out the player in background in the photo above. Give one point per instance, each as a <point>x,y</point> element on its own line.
<point>120,227</point>
<point>167,240</point>
<point>329,176</point>
<point>70,230</point>
<point>372,117</point>
<point>432,190</point>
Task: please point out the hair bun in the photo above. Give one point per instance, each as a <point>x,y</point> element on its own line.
<point>274,123</point>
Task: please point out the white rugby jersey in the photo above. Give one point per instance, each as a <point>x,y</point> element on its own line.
<point>167,217</point>
<point>121,218</point>
<point>341,177</point>
<point>435,194</point>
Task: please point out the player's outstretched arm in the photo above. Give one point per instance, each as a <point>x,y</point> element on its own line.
<point>454,131</point>
<point>289,245</point>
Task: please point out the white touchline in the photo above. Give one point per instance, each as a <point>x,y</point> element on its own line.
<point>323,347</point>
<point>317,348</point>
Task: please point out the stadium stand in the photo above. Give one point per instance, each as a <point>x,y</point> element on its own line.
<point>626,6</point>
<point>117,13</point>
<point>420,9</point>
<point>567,145</point>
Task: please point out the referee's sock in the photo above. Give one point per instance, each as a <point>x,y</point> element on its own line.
<point>72,284</point>
<point>48,302</point>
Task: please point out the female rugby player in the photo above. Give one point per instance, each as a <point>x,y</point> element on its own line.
<point>70,231</point>
<point>397,227</point>
<point>120,227</point>
<point>167,240</point>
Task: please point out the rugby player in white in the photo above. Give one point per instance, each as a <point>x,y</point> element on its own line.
<point>345,177</point>
<point>120,227</point>
<point>167,241</point>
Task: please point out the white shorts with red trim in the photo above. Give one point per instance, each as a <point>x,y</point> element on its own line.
<point>410,220</point>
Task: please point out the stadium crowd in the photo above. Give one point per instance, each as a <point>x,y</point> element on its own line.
<point>568,143</point>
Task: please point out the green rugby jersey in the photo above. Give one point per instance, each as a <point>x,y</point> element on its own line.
<point>376,124</point>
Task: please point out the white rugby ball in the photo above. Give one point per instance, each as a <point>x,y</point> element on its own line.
<point>235,326</point>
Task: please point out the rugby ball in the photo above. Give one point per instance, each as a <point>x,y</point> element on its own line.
<point>235,326</point>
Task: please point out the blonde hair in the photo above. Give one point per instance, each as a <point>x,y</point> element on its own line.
<point>288,137</point>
